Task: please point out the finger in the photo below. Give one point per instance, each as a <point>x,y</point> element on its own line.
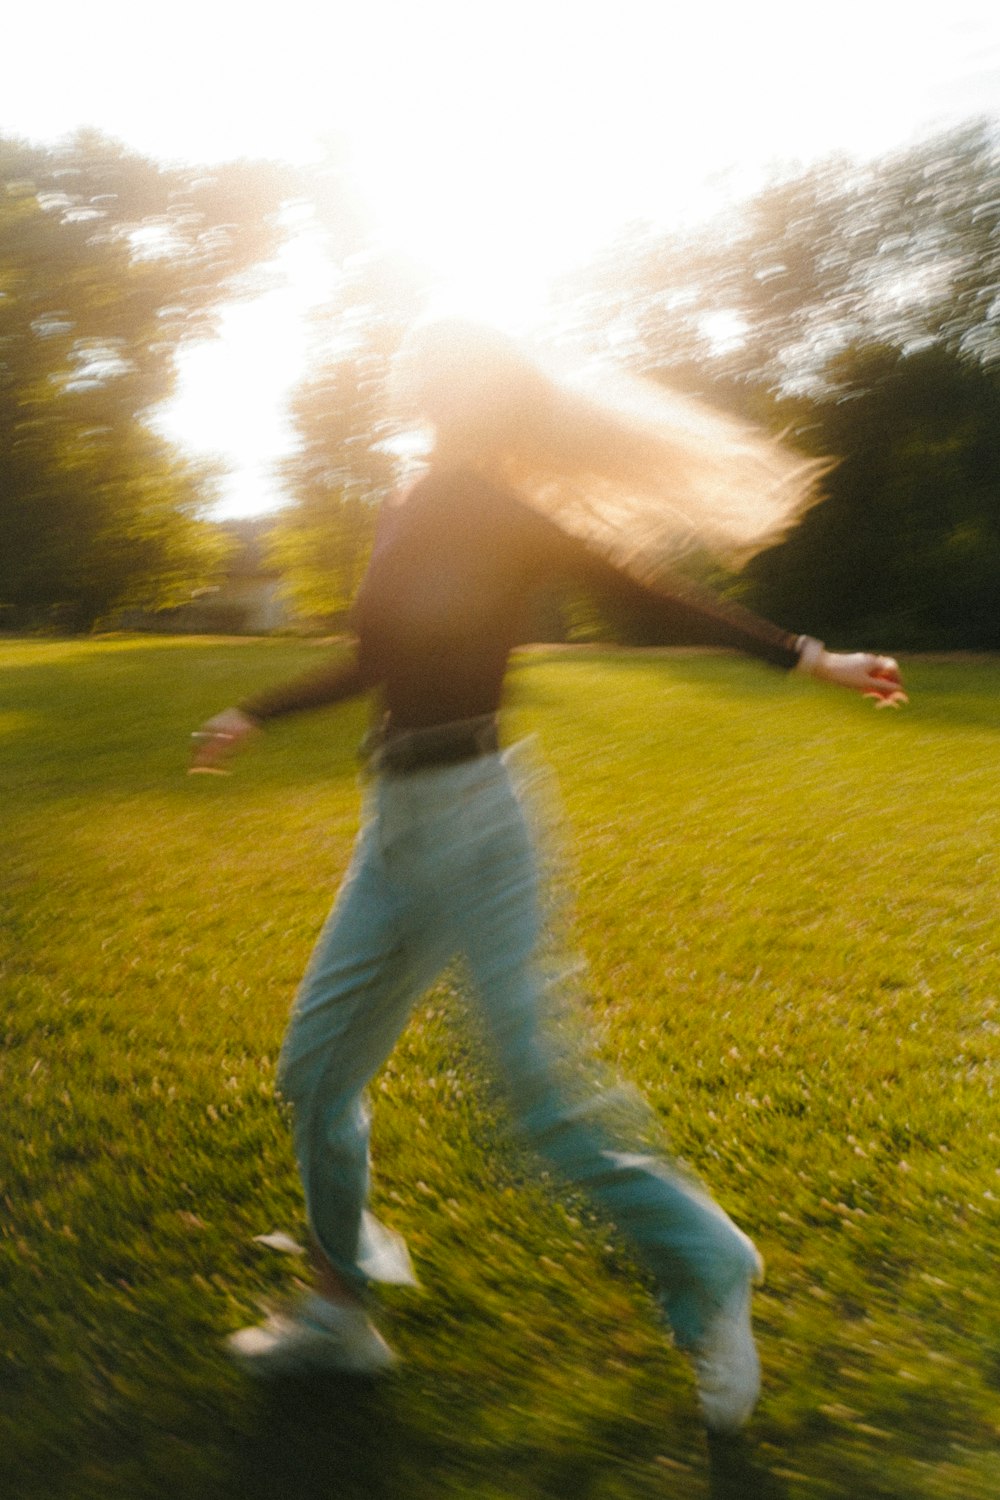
<point>210,756</point>
<point>884,699</point>
<point>884,676</point>
<point>886,667</point>
<point>212,744</point>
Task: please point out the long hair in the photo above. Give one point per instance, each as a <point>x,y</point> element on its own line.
<point>637,470</point>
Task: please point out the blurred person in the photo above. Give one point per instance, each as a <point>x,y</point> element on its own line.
<point>531,478</point>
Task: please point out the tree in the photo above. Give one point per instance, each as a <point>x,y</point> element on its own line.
<point>346,459</point>
<point>906,547</point>
<point>856,309</point>
<point>900,252</point>
<point>108,262</point>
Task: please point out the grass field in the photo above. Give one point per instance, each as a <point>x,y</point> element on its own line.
<point>787,903</point>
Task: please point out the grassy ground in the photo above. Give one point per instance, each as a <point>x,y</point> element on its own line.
<point>787,905</point>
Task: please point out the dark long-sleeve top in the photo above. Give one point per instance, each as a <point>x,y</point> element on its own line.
<point>456,562</point>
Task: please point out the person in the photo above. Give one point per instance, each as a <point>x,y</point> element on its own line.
<point>530,478</point>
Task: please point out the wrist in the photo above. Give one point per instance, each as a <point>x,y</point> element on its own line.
<point>812,654</point>
<point>245,719</point>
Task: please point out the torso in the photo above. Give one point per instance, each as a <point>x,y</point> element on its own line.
<point>455,563</point>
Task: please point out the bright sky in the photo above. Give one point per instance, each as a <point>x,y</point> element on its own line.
<point>498,144</point>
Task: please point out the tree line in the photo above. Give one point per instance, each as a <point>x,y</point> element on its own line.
<point>854,308</point>
<point>107,263</point>
<point>857,310</point>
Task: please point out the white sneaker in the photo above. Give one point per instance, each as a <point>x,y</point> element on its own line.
<point>318,1336</point>
<point>726,1366</point>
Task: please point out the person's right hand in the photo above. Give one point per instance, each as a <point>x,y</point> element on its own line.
<point>218,740</point>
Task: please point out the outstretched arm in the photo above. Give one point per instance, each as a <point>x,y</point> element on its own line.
<point>695,612</point>
<point>219,739</point>
<point>724,622</point>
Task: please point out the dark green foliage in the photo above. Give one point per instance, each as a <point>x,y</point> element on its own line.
<point>906,549</point>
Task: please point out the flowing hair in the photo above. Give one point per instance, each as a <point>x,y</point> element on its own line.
<point>637,470</point>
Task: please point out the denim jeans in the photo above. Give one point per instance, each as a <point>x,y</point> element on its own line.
<point>445,867</point>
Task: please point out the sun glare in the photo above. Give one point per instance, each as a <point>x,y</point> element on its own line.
<point>500,147</point>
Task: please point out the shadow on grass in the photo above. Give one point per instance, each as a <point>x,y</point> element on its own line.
<point>341,1439</point>
<point>735,1475</point>
<point>323,1439</point>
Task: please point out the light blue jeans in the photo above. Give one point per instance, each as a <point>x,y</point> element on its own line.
<point>445,867</point>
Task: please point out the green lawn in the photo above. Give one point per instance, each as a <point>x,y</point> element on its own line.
<point>787,903</point>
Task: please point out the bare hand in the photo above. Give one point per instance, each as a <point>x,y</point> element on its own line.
<point>863,671</point>
<point>218,740</point>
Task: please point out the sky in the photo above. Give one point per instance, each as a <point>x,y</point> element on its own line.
<point>497,144</point>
